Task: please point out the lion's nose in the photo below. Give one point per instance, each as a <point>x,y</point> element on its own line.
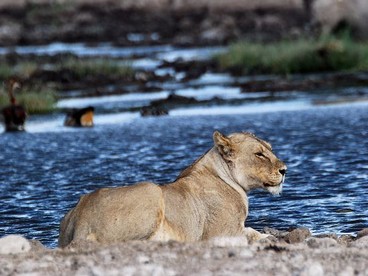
<point>282,171</point>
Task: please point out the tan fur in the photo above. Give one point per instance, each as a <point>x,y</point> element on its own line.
<point>207,200</point>
<point>87,119</point>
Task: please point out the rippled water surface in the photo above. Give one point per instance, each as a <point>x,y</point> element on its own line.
<point>326,150</point>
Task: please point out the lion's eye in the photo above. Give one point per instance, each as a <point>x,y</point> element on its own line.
<point>260,154</point>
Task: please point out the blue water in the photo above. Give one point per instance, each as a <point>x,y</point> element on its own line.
<point>326,150</point>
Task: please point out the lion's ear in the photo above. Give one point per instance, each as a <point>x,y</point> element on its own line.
<point>223,145</point>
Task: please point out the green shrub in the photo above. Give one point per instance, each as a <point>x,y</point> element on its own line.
<point>24,69</point>
<point>80,67</point>
<point>35,102</point>
<point>300,56</point>
<point>96,67</point>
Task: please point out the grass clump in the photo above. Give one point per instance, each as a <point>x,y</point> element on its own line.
<point>299,56</point>
<point>24,69</point>
<point>81,68</point>
<point>35,102</point>
<point>96,67</point>
<point>37,97</point>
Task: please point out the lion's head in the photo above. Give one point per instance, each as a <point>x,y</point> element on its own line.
<point>251,162</point>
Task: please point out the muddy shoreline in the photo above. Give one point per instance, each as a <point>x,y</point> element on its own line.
<point>296,253</point>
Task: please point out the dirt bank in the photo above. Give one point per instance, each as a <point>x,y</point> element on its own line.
<point>175,21</point>
<point>226,256</point>
<point>149,22</point>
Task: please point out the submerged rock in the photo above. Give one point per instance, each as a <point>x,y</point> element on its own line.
<point>174,99</point>
<point>153,111</point>
<point>162,107</point>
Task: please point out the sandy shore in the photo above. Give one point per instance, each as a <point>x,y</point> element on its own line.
<point>290,255</point>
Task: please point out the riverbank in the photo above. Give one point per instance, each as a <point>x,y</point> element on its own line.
<point>171,82</point>
<point>296,254</point>
<point>129,23</point>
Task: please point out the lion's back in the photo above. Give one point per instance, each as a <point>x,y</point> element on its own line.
<point>114,214</point>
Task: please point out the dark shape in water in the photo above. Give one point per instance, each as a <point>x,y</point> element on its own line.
<point>161,107</point>
<point>173,100</point>
<point>80,117</point>
<point>153,111</point>
<point>14,114</point>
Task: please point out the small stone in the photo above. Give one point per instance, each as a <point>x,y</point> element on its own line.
<point>297,235</point>
<point>266,242</point>
<point>327,235</point>
<point>37,245</point>
<point>362,233</point>
<point>246,253</point>
<point>14,244</point>
<point>347,271</point>
<point>269,239</point>
<point>229,241</point>
<point>321,242</point>
<point>313,269</point>
<point>345,239</point>
<point>360,243</point>
<point>231,254</point>
<point>271,231</point>
<point>143,259</point>
<point>10,33</point>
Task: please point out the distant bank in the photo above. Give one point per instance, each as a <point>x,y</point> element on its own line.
<point>179,22</point>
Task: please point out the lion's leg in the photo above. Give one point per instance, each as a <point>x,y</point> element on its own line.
<point>253,235</point>
<point>66,231</point>
<point>163,234</point>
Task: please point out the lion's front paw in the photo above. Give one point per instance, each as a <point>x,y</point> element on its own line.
<point>265,236</point>
<point>254,235</point>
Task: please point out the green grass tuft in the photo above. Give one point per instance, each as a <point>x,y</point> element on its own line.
<point>24,69</point>
<point>42,99</point>
<point>35,102</point>
<point>300,56</point>
<point>96,67</point>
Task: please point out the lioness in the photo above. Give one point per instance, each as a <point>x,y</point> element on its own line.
<point>207,200</point>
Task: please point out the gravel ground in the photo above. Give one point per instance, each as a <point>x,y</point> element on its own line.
<point>328,255</point>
